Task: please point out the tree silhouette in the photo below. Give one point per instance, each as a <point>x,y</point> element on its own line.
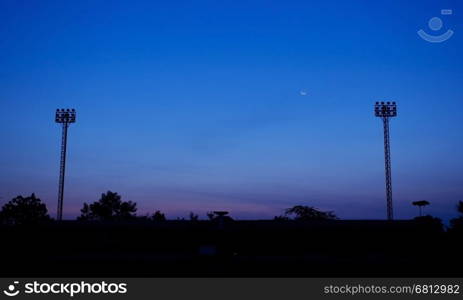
<point>24,210</point>
<point>460,207</point>
<point>420,205</point>
<point>304,213</point>
<point>109,207</point>
<point>158,216</point>
<point>193,217</point>
<point>456,224</point>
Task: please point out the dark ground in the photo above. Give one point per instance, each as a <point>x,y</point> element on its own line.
<point>233,249</point>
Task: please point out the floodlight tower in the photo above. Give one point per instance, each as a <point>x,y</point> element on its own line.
<point>64,117</point>
<point>386,110</point>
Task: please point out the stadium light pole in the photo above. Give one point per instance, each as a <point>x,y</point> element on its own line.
<point>386,110</point>
<point>64,117</point>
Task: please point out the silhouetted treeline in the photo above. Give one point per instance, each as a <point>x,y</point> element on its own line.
<point>109,239</point>
<point>110,207</point>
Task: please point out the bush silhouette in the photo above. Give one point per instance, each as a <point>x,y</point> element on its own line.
<point>193,216</point>
<point>110,207</point>
<point>304,213</point>
<point>281,218</point>
<point>158,216</point>
<point>24,210</point>
<point>430,222</point>
<point>456,225</point>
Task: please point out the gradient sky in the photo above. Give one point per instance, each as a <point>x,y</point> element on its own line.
<point>246,106</point>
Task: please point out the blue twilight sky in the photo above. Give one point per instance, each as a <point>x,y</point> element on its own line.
<point>246,106</point>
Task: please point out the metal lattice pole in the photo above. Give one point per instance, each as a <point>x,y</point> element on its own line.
<point>62,170</point>
<point>387,168</point>
<point>65,117</point>
<point>387,110</point>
